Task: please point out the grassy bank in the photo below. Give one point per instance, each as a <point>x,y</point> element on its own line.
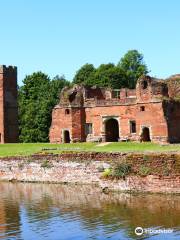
<point>32,148</point>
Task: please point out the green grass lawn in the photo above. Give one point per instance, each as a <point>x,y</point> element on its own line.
<point>31,148</point>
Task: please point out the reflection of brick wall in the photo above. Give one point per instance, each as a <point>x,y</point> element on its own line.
<point>8,104</point>
<point>2,218</point>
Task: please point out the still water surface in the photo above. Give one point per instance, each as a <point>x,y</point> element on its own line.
<point>50,211</point>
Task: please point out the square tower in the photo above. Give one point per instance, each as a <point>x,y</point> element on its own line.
<point>8,105</point>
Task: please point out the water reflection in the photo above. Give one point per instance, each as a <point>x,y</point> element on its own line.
<point>51,211</point>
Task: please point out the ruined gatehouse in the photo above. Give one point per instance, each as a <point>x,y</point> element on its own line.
<point>150,112</point>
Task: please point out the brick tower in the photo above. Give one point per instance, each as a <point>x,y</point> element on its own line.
<point>8,105</point>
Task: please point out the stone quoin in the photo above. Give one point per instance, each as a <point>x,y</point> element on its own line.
<point>150,112</point>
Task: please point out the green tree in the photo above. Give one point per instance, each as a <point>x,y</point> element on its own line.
<point>133,66</point>
<point>125,74</point>
<point>84,73</point>
<point>107,75</point>
<point>56,85</point>
<point>36,98</point>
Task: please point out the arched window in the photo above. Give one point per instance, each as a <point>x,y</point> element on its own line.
<point>66,136</point>
<point>112,130</point>
<point>145,135</point>
<point>67,111</point>
<point>142,108</point>
<point>144,84</point>
<point>132,126</point>
<point>88,128</point>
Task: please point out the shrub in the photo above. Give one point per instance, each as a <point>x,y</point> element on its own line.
<point>166,172</point>
<point>144,171</point>
<point>107,172</point>
<point>30,160</point>
<point>145,157</point>
<point>20,166</point>
<point>46,164</point>
<point>121,170</point>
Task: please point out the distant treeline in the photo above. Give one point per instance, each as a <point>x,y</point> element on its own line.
<point>39,94</point>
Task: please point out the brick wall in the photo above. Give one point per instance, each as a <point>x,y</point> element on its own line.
<point>84,168</point>
<point>1,105</point>
<point>8,104</point>
<point>172,115</point>
<point>152,117</point>
<point>60,121</point>
<point>143,105</point>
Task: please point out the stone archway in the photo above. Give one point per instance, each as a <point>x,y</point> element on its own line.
<point>66,136</point>
<point>145,135</point>
<point>111,130</point>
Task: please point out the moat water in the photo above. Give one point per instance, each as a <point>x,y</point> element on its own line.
<point>35,211</point>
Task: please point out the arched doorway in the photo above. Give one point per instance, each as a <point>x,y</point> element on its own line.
<point>66,136</point>
<point>111,130</point>
<point>145,136</point>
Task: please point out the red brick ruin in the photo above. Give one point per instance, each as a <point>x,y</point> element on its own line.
<point>151,112</point>
<point>8,105</point>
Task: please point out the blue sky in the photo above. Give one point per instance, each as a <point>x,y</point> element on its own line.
<point>59,36</point>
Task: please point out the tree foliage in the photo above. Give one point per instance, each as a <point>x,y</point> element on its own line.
<point>133,66</point>
<point>84,73</point>
<point>56,85</point>
<point>36,98</point>
<point>107,75</point>
<point>125,74</point>
<point>39,94</point>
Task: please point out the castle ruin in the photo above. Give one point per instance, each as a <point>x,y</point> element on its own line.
<point>151,112</point>
<point>8,105</point>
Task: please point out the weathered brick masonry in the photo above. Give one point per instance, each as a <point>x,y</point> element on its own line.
<point>86,168</point>
<point>147,113</point>
<point>8,105</point>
